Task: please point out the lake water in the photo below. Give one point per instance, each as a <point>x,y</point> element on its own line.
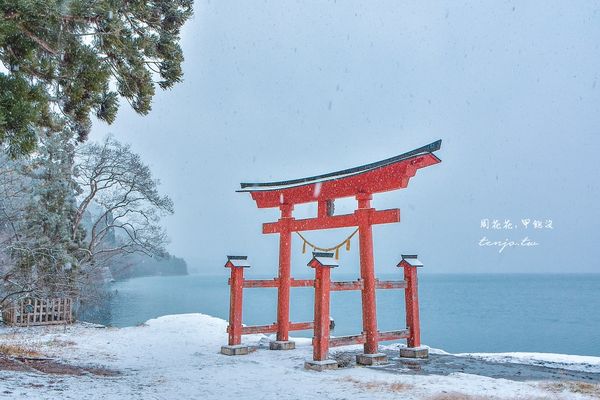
<point>459,313</point>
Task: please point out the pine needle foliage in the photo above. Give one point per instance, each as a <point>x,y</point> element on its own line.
<point>66,61</point>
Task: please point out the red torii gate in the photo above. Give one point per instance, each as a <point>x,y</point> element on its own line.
<point>360,182</point>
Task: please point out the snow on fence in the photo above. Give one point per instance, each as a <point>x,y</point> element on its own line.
<point>30,311</point>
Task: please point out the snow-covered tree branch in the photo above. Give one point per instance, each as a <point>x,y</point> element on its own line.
<point>121,199</point>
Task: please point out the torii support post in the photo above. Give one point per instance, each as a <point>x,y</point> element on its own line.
<point>322,263</point>
<point>410,263</point>
<point>236,282</point>
<point>322,322</point>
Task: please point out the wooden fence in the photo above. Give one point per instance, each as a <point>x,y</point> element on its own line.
<point>30,311</point>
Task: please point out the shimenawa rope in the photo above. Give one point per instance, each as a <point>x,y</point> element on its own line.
<point>336,247</point>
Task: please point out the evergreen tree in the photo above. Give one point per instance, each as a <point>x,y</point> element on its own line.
<point>52,251</point>
<point>69,59</point>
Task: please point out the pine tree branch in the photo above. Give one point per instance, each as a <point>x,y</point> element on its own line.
<point>45,45</point>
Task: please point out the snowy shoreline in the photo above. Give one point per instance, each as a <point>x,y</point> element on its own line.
<point>177,357</point>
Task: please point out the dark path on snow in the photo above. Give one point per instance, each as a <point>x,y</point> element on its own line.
<point>442,364</point>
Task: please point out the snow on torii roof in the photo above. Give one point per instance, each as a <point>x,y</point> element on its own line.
<point>237,261</point>
<point>410,260</point>
<point>381,176</point>
<point>325,259</point>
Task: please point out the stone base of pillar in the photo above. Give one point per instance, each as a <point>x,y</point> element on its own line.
<point>371,359</point>
<point>321,365</point>
<point>414,352</point>
<point>282,345</point>
<point>236,350</point>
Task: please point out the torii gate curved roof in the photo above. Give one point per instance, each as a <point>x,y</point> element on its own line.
<point>381,176</point>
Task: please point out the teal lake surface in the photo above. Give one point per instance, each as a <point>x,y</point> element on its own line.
<point>459,312</point>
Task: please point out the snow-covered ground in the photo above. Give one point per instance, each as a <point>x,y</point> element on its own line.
<point>177,357</point>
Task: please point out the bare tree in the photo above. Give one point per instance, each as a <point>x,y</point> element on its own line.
<point>128,205</point>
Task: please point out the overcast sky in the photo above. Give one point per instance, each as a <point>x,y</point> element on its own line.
<point>280,89</point>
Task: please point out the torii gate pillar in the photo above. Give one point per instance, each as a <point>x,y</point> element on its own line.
<point>367,271</point>
<point>283,292</point>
